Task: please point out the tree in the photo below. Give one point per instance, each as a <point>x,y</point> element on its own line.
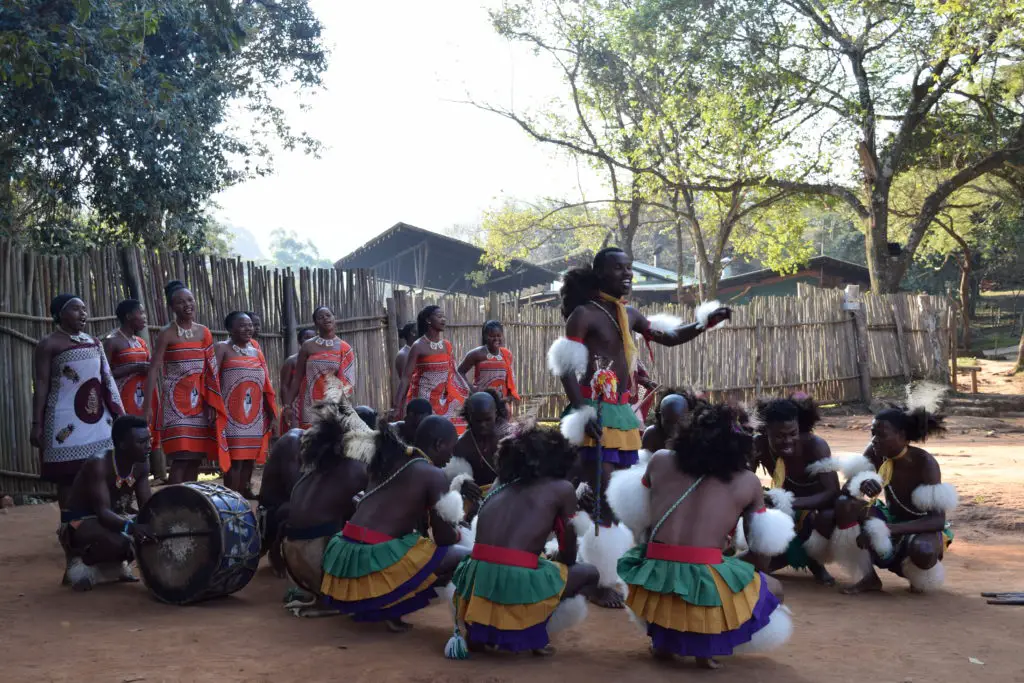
<point>122,109</point>
<point>287,250</point>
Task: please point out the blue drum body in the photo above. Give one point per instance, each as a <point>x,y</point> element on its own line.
<point>208,543</point>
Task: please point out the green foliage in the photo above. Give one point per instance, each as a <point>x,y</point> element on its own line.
<point>537,233</point>
<point>120,110</point>
<point>776,236</point>
<point>287,250</point>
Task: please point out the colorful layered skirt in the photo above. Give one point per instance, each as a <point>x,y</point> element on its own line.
<point>373,577</point>
<point>796,554</point>
<point>695,602</point>
<point>901,544</point>
<point>620,433</point>
<point>505,597</point>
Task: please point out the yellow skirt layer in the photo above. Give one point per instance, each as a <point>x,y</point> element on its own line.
<point>481,611</point>
<point>624,440</point>
<point>384,581</point>
<point>670,611</point>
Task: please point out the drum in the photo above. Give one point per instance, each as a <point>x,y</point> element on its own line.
<point>208,543</point>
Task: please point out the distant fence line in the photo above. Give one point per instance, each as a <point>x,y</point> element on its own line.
<point>773,345</point>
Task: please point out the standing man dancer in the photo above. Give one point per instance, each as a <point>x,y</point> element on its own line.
<point>599,324</point>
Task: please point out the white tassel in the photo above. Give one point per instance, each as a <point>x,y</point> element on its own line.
<point>569,613</point>
<point>629,499</point>
<point>705,310</point>
<point>927,395</point>
<point>781,500</point>
<point>854,465</point>
<point>456,647</point>
<point>567,356</point>
<point>456,466</point>
<point>640,623</point>
<point>858,480</point>
<point>574,425</point>
<point>450,507</point>
<point>770,532</point>
<point>878,532</point>
<point>774,635</point>
<point>935,498</point>
<point>924,580</point>
<point>824,466</point>
<point>663,322</point>
<point>818,548</point>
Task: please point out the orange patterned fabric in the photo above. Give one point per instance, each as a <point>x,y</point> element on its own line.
<point>192,417</point>
<point>496,373</point>
<point>338,361</point>
<point>251,407</point>
<point>436,379</point>
<point>132,388</point>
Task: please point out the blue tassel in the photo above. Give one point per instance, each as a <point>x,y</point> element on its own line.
<point>456,647</point>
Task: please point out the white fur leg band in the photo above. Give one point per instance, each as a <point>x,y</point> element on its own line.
<point>574,425</point>
<point>629,499</point>
<point>569,613</point>
<point>818,548</point>
<point>663,322</point>
<point>858,480</point>
<point>855,464</point>
<point>704,311</point>
<point>924,580</point>
<point>935,498</point>
<point>567,356</point>
<point>456,466</point>
<point>878,533</point>
<point>450,507</point>
<point>770,532</point>
<point>781,499</point>
<point>774,635</point>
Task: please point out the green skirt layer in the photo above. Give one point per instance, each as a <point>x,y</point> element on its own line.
<point>347,560</point>
<point>691,582</point>
<point>947,530</point>
<point>507,585</point>
<point>613,415</point>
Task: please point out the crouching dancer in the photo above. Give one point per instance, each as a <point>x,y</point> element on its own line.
<point>908,534</point>
<point>380,568</point>
<point>692,600</point>
<point>804,482</point>
<point>508,597</point>
<point>98,525</point>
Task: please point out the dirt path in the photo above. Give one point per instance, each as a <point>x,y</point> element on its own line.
<point>119,633</point>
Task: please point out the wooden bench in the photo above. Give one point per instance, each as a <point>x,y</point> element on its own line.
<point>973,369</point>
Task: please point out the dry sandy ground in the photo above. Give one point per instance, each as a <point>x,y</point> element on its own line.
<point>119,634</point>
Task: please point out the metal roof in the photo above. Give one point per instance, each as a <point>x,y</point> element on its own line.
<point>414,257</point>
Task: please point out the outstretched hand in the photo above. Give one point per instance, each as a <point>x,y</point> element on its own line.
<point>718,316</point>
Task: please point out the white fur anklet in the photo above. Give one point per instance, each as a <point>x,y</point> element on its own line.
<point>569,613</point>
<point>924,580</point>
<point>818,548</point>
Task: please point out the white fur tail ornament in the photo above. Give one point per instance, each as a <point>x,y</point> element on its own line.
<point>568,356</point>
<point>774,635</point>
<point>781,500</point>
<point>604,552</point>
<point>848,555</point>
<point>818,548</point>
<point>569,613</point>
<point>574,425</point>
<point>450,507</point>
<point>629,499</point>
<point>927,395</point>
<point>663,322</point>
<point>770,532</point>
<point>924,580</point>
<point>935,498</point>
<point>704,311</point>
<point>853,487</point>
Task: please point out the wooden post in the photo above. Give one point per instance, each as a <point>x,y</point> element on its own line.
<point>860,341</point>
<point>901,340</point>
<point>402,307</point>
<point>290,331</point>
<point>492,306</point>
<point>759,356</point>
<point>953,347</point>
<point>391,345</point>
<point>937,368</point>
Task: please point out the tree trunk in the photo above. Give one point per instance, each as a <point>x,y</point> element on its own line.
<point>965,297</point>
<point>884,270</point>
<point>679,258</point>
<point>1019,365</point>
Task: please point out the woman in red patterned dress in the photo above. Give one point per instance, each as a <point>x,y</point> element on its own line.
<point>190,417</point>
<point>491,363</point>
<point>249,401</point>
<point>129,359</point>
<point>323,356</point>
<point>430,372</point>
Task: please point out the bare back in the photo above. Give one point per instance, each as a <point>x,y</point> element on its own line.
<point>522,517</point>
<point>399,507</point>
<point>328,496</point>
<point>282,469</point>
<point>708,515</point>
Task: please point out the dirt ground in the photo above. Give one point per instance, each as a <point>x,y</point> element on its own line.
<point>120,634</point>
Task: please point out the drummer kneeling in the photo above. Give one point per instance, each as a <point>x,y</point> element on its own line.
<point>98,525</point>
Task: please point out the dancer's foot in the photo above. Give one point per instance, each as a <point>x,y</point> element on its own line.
<point>708,663</point>
<point>870,583</point>
<point>605,596</point>
<point>397,625</point>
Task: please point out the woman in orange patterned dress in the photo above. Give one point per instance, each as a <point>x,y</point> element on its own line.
<point>190,417</point>
<point>129,359</point>
<point>249,401</point>
<point>430,372</point>
<point>325,355</point>
<point>288,372</point>
<point>491,363</point>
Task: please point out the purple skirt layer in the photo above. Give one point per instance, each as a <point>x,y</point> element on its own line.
<point>533,638</point>
<point>381,607</point>
<point>688,644</point>
<point>613,455</point>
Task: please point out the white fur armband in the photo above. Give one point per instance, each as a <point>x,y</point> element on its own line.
<point>704,311</point>
<point>574,425</point>
<point>853,487</point>
<point>457,482</point>
<point>629,499</point>
<point>581,523</point>
<point>456,466</point>
<point>878,532</point>
<point>567,356</point>
<point>781,499</point>
<point>770,532</point>
<point>450,507</point>
<point>824,466</point>
<point>855,464</point>
<point>935,498</point>
<point>663,322</point>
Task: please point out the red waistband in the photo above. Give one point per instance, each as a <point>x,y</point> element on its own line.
<point>506,556</point>
<point>684,553</point>
<point>623,398</point>
<point>364,535</point>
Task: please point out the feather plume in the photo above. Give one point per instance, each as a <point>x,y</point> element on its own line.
<point>927,395</point>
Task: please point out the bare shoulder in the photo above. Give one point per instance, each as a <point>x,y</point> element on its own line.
<point>746,481</point>
<point>818,448</point>
<point>927,462</point>
<point>661,459</point>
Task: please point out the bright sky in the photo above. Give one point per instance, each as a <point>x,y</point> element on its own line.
<point>401,147</point>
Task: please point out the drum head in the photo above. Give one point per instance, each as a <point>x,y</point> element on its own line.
<point>178,569</point>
